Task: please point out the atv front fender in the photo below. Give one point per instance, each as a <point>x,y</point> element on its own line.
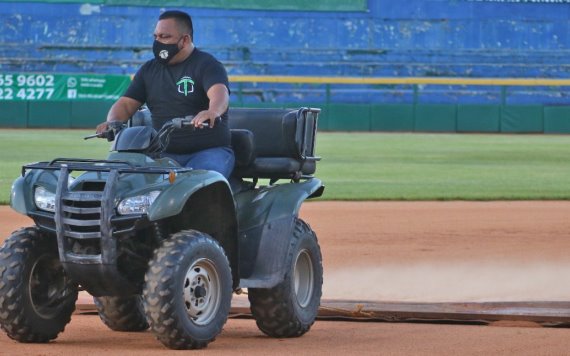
<point>266,220</point>
<point>172,200</point>
<point>20,196</point>
<point>22,193</point>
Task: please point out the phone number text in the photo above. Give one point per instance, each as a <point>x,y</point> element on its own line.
<point>26,87</point>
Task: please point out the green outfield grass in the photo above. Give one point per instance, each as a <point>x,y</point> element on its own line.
<point>379,166</point>
<point>372,166</point>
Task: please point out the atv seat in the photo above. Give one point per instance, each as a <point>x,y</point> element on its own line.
<point>274,143</point>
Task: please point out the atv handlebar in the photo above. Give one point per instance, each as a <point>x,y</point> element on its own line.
<point>180,122</point>
<point>113,127</point>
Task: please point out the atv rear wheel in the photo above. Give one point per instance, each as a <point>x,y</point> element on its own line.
<point>290,308</point>
<point>188,290</point>
<point>122,313</point>
<point>36,297</point>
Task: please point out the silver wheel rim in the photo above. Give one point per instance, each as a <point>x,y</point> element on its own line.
<point>47,287</point>
<point>202,291</point>
<point>304,281</point>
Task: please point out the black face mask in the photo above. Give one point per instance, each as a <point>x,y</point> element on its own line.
<point>164,52</point>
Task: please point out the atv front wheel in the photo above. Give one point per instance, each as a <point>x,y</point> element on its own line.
<point>290,308</point>
<point>188,290</point>
<point>122,313</point>
<point>36,297</point>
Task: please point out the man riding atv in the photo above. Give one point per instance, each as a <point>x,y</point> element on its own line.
<point>180,81</point>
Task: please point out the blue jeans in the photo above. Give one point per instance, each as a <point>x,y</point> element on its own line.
<point>219,159</point>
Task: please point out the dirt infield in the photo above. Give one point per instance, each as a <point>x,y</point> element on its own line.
<point>394,251</point>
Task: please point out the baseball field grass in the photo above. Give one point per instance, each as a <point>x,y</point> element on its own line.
<point>372,166</point>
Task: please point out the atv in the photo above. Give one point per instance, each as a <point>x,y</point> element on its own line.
<point>164,247</point>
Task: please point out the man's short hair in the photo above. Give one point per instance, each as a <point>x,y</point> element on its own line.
<point>183,20</point>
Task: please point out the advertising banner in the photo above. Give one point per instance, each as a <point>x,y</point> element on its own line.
<point>39,86</point>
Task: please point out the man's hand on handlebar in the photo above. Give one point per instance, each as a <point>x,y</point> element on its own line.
<point>102,127</point>
<point>204,118</point>
<point>107,126</point>
<point>106,130</point>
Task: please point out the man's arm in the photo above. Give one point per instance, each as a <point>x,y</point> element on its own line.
<point>219,101</point>
<point>121,110</point>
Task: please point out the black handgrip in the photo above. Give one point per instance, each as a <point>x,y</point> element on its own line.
<point>180,122</point>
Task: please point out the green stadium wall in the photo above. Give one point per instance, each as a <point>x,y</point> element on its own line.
<point>462,118</point>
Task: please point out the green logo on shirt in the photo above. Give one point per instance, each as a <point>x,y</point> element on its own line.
<point>185,85</point>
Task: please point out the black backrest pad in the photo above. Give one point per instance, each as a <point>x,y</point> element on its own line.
<point>277,134</point>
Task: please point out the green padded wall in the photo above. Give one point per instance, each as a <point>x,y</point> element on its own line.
<point>521,119</point>
<point>51,114</point>
<point>323,124</point>
<point>478,118</point>
<point>557,119</point>
<point>13,114</point>
<point>435,118</point>
<point>334,117</point>
<point>348,117</point>
<point>262,105</point>
<point>88,114</point>
<point>392,117</point>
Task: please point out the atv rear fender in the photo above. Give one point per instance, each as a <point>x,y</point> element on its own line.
<point>266,219</point>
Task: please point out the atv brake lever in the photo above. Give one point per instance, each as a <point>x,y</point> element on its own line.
<point>109,135</point>
<point>91,136</point>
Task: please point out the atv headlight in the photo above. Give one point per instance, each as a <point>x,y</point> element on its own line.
<point>138,204</point>
<point>44,199</point>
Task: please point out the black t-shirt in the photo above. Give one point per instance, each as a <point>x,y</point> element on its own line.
<point>180,90</point>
